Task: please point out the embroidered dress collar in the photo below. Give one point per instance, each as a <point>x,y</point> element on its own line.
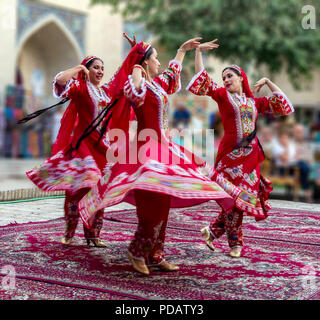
<point>156,87</point>
<point>96,93</point>
<point>97,96</point>
<point>163,102</point>
<point>242,99</point>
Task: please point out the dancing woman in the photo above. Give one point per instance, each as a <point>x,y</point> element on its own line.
<point>76,171</point>
<point>164,175</point>
<point>239,153</point>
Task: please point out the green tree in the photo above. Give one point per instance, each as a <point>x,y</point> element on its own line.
<point>265,32</point>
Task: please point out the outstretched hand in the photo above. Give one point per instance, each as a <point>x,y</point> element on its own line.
<point>209,45</point>
<point>191,44</point>
<point>132,42</point>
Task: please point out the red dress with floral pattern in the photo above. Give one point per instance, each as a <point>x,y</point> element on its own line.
<point>82,168</point>
<point>241,166</point>
<point>161,165</point>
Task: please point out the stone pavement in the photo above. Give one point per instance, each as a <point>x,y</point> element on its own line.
<point>12,173</point>
<point>38,210</point>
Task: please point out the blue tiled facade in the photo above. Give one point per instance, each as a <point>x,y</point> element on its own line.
<point>31,12</point>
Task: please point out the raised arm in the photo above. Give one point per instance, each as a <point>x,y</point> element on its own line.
<point>265,81</point>
<point>65,86</point>
<point>106,86</point>
<point>133,41</point>
<point>187,46</point>
<point>198,56</point>
<point>201,84</point>
<point>278,104</point>
<point>67,75</point>
<point>135,88</point>
<point>169,79</point>
<point>198,61</point>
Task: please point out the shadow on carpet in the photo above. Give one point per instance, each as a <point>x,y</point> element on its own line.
<point>280,260</point>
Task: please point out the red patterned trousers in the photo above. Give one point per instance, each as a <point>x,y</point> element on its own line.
<point>152,210</point>
<point>229,222</point>
<point>71,212</point>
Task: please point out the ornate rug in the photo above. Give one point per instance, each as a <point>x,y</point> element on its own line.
<point>280,260</point>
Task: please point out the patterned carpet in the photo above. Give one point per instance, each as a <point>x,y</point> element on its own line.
<point>280,260</point>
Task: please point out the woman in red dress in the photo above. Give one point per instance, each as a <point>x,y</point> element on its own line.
<point>75,172</point>
<point>239,153</point>
<point>160,174</point>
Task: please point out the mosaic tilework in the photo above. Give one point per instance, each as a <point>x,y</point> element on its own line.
<point>30,13</point>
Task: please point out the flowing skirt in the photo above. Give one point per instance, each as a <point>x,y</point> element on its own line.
<point>165,168</point>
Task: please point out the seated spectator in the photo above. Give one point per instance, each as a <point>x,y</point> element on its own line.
<point>267,140</point>
<point>315,174</point>
<point>315,130</point>
<point>284,151</point>
<point>284,159</point>
<point>181,116</point>
<point>303,157</point>
<point>215,123</point>
<point>212,120</point>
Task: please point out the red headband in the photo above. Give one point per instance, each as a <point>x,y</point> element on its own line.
<point>81,74</point>
<point>245,83</point>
